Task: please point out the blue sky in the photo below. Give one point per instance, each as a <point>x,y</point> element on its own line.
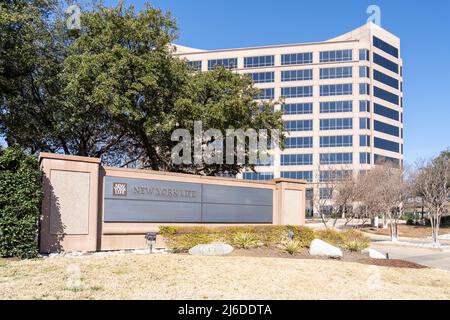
<point>424,28</point>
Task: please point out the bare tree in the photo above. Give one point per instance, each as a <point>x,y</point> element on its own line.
<point>432,183</point>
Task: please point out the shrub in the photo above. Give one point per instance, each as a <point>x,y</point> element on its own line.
<point>331,236</point>
<point>167,230</point>
<point>244,240</point>
<point>292,246</point>
<point>20,203</point>
<point>303,235</point>
<point>354,240</point>
<point>184,242</point>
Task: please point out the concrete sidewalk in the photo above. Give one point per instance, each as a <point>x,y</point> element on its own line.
<point>427,257</point>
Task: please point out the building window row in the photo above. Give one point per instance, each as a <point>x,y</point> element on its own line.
<point>336,124</point>
<point>364,158</point>
<point>336,158</point>
<point>266,94</point>
<point>386,112</point>
<point>196,65</point>
<point>301,175</point>
<point>336,106</point>
<point>364,141</point>
<point>336,89</point>
<point>364,106</point>
<point>336,55</point>
<point>384,78</point>
<point>386,128</point>
<point>379,159</point>
<point>334,175</point>
<point>296,58</point>
<point>386,145</point>
<point>364,88</point>
<point>336,141</point>
<point>296,75</point>
<point>364,123</point>
<point>386,95</point>
<point>230,63</point>
<point>261,61</point>
<point>298,143</point>
<point>297,108</point>
<point>298,125</point>
<point>296,159</point>
<point>258,175</point>
<point>297,92</point>
<point>386,47</point>
<point>262,77</point>
<point>336,73</point>
<point>385,63</point>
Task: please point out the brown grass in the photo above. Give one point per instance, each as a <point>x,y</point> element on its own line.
<point>131,276</point>
<point>407,231</point>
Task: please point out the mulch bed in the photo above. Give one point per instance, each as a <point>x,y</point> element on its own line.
<point>271,252</point>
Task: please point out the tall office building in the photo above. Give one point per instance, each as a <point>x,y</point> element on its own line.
<point>342,100</point>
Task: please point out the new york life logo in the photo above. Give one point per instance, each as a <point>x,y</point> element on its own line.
<point>120,189</point>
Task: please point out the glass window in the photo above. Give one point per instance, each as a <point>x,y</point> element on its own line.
<point>258,175</point>
<point>336,124</point>
<point>385,63</point>
<point>386,145</point>
<point>268,93</point>
<point>364,72</point>
<point>196,65</point>
<point>297,92</point>
<point>230,63</point>
<point>379,158</point>
<point>298,142</point>
<point>364,141</point>
<point>262,61</point>
<point>298,125</point>
<point>336,55</point>
<point>336,141</point>
<point>325,193</point>
<point>336,73</point>
<point>364,123</point>
<point>364,158</point>
<point>296,58</point>
<point>385,95</point>
<point>296,75</point>
<point>262,77</point>
<point>297,108</point>
<point>364,106</point>
<point>386,128</point>
<point>334,175</point>
<point>384,78</point>
<point>336,158</point>
<point>364,88</point>
<point>296,159</point>
<point>336,106</point>
<point>386,112</point>
<point>300,175</point>
<point>364,55</point>
<point>336,89</point>
<point>386,47</point>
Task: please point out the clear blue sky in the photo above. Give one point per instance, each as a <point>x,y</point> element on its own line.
<point>423,27</point>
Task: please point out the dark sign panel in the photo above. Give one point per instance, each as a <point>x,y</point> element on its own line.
<point>144,200</point>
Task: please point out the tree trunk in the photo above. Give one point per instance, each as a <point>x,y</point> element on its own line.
<point>385,221</point>
<point>394,231</point>
<point>435,223</point>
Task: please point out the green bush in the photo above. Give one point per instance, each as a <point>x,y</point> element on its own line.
<point>184,242</point>
<point>331,236</point>
<point>292,246</point>
<point>20,203</point>
<point>303,235</point>
<point>244,240</point>
<point>354,240</point>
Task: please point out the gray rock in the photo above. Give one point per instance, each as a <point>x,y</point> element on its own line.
<point>374,254</point>
<point>213,249</point>
<point>323,249</point>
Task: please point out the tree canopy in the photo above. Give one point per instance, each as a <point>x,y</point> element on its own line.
<point>113,89</point>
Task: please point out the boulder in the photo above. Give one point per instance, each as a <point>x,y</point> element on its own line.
<point>323,249</point>
<point>213,249</point>
<point>374,254</point>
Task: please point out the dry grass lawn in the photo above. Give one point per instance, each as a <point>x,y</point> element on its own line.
<point>132,276</point>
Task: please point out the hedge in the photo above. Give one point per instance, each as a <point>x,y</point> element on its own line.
<point>20,203</point>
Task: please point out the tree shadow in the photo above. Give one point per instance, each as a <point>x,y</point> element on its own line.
<point>53,223</point>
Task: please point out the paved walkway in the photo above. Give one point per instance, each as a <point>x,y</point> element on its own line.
<point>427,257</point>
